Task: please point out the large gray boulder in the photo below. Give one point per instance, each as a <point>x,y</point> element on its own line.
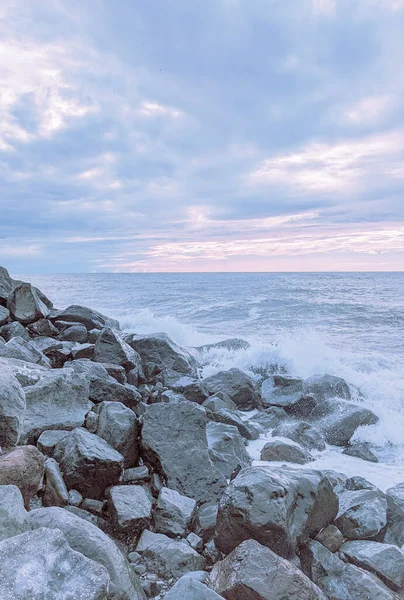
<point>173,513</point>
<point>7,285</point>
<point>24,350</point>
<point>362,513</point>
<point>304,434</point>
<point>89,540</point>
<point>87,316</point>
<point>14,329</point>
<point>192,389</point>
<point>59,401</point>
<point>343,420</point>
<point>111,348</point>
<point>39,565</point>
<point>281,391</point>
<point>12,512</point>
<point>173,559</point>
<point>25,304</point>
<point>327,386</point>
<point>55,492</point>
<point>174,442</point>
<point>161,350</point>
<point>112,391</point>
<point>119,426</point>
<point>12,407</point>
<point>187,588</point>
<point>130,507</point>
<point>384,560</point>
<point>4,315</point>
<point>226,448</point>
<point>149,538</point>
<point>236,385</point>
<point>231,417</point>
<point>283,452</point>
<point>26,373</point>
<point>24,467</point>
<point>88,463</point>
<point>279,507</point>
<point>253,572</point>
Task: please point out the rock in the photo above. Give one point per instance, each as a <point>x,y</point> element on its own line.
<point>195,541</point>
<point>4,315</point>
<point>119,426</point>
<point>12,407</point>
<point>86,316</point>
<point>95,507</point>
<point>281,391</point>
<point>40,564</point>
<point>82,351</point>
<point>43,327</point>
<point>269,418</point>
<point>172,559</point>
<point>93,543</point>
<point>60,356</point>
<point>231,417</point>
<point>112,391</point>
<point>84,366</point>
<point>130,507</point>
<point>230,344</point>
<point>192,389</point>
<point>281,451</point>
<point>302,433</point>
<point>26,373</point>
<point>23,467</point>
<point>48,440</point>
<point>205,521</point>
<point>56,493</point>
<point>253,572</point>
<point>21,349</point>
<point>215,403</point>
<point>226,448</point>
<point>331,538</point>
<point>362,514</point>
<point>397,493</point>
<point>75,333</point>
<point>116,372</point>
<point>236,385</point>
<point>6,286</point>
<point>88,463</point>
<point>59,401</point>
<point>279,507</point>
<point>383,560</point>
<point>11,330</point>
<point>361,451</point>
<point>338,580</point>
<point>339,426</point>
<point>172,397</point>
<point>190,589</point>
<point>25,305</point>
<point>75,498</point>
<point>111,348</point>
<point>149,538</point>
<point>12,512</point>
<point>327,386</point>
<point>173,513</point>
<point>136,475</point>
<point>186,465</point>
<point>159,349</point>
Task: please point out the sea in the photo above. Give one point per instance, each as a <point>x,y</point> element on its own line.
<point>346,324</point>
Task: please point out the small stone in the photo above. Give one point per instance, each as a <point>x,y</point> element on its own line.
<point>75,498</point>
<point>195,541</point>
<point>331,538</point>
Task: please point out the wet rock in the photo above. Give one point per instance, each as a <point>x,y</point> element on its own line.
<point>112,391</point>
<point>93,543</point>
<point>86,316</point>
<point>12,407</point>
<point>130,507</point>
<point>362,514</point>
<point>173,513</point>
<point>159,349</point>
<point>21,349</point>
<point>281,391</point>
<point>339,426</point>
<point>172,559</point>
<point>281,451</point>
<point>11,330</point>
<point>253,572</point>
<point>269,418</point>
<point>230,344</point>
<point>43,327</point>
<point>331,538</point>
<point>231,417</point>
<point>23,467</point>
<point>215,403</point>
<point>111,348</point>
<point>59,401</point>
<point>56,493</point>
<point>25,304</point>
<point>236,385</point>
<point>397,493</point>
<point>192,389</point>
<point>190,589</point>
<point>82,351</point>
<point>361,451</point>
<point>302,433</point>
<point>327,386</point>
<point>12,512</point>
<point>279,507</point>
<point>185,464</point>
<point>49,439</point>
<point>75,333</point>
<point>88,463</point>
<point>383,560</point>
<point>118,425</point>
<point>4,315</point>
<point>226,447</point>
<point>41,564</point>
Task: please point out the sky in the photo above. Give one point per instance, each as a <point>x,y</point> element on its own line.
<point>201,135</point>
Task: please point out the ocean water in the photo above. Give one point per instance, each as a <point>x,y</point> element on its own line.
<point>346,324</point>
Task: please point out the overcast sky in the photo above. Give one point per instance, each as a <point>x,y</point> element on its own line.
<point>201,135</point>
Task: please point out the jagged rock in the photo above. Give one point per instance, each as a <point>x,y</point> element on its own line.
<point>253,572</point>
<point>205,521</point>
<point>279,507</point>
<point>327,386</point>
<point>26,373</point>
<point>88,463</point>
<point>21,349</point>
<point>59,401</point>
<point>56,493</point>
<point>7,285</point>
<point>302,433</point>
<point>344,419</point>
<point>226,448</point>
<point>173,513</point>
<point>130,507</point>
<point>195,541</point>
<point>281,391</point>
<point>362,514</point>
<point>361,451</point>
<point>383,560</point>
<point>11,330</point>
<point>41,564</point>
<point>75,333</point>
<point>118,425</point>
<point>4,315</point>
<point>136,475</point>
<point>149,538</point>
<point>12,512</point>
<point>93,543</point>
<point>86,316</point>
<point>236,385</point>
<point>172,559</point>
<point>269,418</point>
<point>23,467</point>
<point>185,464</point>
<point>231,417</point>
<point>116,372</point>
<point>215,403</point>
<point>82,351</point>
<point>331,538</point>
<point>111,348</point>
<point>338,580</point>
<point>43,327</point>
<point>172,397</point>
<point>46,344</point>
<point>397,493</point>
<point>187,588</point>
<point>49,439</point>
<point>12,407</point>
<point>112,391</point>
<point>281,451</point>
<point>25,304</point>
<point>84,366</point>
<point>159,349</point>
<point>192,389</point>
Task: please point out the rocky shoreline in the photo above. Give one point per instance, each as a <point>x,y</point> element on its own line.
<point>125,475</point>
